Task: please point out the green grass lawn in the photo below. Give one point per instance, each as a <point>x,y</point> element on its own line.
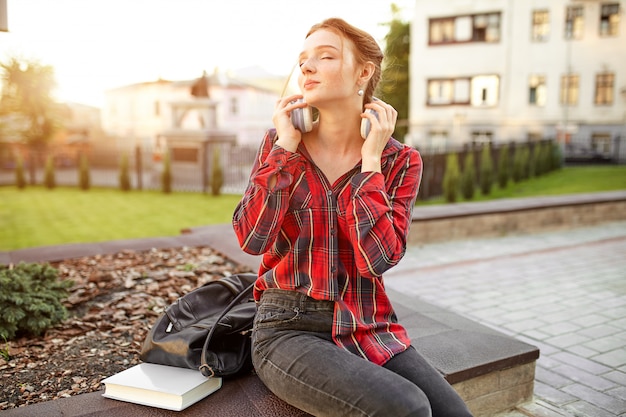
<point>571,180</point>
<point>37,216</point>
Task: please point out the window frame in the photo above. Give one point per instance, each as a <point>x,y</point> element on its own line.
<point>574,22</point>
<point>540,27</point>
<point>535,84</point>
<point>609,20</point>
<point>462,91</point>
<point>570,91</point>
<point>481,28</point>
<point>604,94</point>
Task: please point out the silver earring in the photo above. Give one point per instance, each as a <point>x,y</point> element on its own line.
<point>360,92</point>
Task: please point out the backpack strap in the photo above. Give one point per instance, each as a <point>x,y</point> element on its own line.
<point>205,369</point>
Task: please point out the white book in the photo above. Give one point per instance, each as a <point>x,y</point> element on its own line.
<point>160,386</point>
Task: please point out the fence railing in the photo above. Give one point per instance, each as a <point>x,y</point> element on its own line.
<point>236,162</point>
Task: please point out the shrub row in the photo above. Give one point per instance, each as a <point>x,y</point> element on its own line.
<point>545,157</point>
<point>84,178</point>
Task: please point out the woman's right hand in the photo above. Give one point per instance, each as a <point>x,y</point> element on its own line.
<point>288,136</point>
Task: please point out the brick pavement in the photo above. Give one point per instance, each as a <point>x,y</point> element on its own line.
<point>564,292</point>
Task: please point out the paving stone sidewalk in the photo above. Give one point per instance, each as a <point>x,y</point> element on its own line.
<point>564,292</point>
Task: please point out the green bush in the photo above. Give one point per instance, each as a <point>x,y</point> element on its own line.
<point>20,177</point>
<point>49,179</point>
<point>556,157</point>
<point>166,175</point>
<point>486,170</point>
<point>504,166</point>
<point>534,162</point>
<point>520,162</point>
<point>468,177</point>
<point>217,174</point>
<point>84,179</point>
<point>124,176</point>
<point>525,162</point>
<point>30,299</point>
<point>451,178</point>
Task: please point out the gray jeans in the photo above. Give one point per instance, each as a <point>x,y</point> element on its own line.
<point>294,355</point>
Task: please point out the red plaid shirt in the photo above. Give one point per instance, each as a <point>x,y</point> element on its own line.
<point>333,242</point>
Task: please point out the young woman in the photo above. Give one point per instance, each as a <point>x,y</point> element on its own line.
<point>330,212</point>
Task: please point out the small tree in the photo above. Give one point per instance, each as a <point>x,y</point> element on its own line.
<point>124,176</point>
<point>84,179</point>
<point>556,157</point>
<point>451,178</point>
<point>468,177</point>
<point>486,170</point>
<point>49,179</point>
<point>20,177</point>
<point>166,175</point>
<point>534,160</point>
<point>31,296</point>
<point>504,166</point>
<point>525,162</point>
<point>546,150</point>
<point>217,173</point>
<point>520,162</point>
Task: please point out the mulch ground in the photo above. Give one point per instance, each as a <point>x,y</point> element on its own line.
<point>113,303</point>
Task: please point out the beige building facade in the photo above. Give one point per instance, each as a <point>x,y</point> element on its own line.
<point>515,70</point>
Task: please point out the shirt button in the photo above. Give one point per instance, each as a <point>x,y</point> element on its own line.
<point>329,192</point>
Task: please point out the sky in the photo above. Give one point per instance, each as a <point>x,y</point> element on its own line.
<point>96,45</point>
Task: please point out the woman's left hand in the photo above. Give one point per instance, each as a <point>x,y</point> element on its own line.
<point>382,126</point>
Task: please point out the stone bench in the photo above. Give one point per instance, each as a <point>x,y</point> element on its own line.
<point>491,371</point>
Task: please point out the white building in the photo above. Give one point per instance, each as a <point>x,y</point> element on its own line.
<point>139,114</point>
<point>513,70</point>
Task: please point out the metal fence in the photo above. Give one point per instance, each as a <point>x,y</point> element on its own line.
<point>145,170</point>
<point>236,162</point>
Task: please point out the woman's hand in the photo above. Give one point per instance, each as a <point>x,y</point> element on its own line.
<point>382,126</point>
<point>288,136</point>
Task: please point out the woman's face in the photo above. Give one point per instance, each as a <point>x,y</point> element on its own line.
<point>328,69</point>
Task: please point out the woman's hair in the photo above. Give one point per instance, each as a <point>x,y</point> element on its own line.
<point>365,48</point>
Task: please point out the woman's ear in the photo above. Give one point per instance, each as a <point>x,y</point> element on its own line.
<point>367,71</point>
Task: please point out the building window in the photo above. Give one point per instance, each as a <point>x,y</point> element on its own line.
<point>601,143</point>
<point>541,25</point>
<point>485,90</point>
<point>569,89</point>
<point>437,140</point>
<point>448,91</point>
<point>478,91</point>
<point>157,108</point>
<point>537,90</point>
<point>234,106</point>
<point>604,88</point>
<point>480,137</point>
<point>609,19</point>
<point>574,24</point>
<point>441,31</point>
<point>484,27</point>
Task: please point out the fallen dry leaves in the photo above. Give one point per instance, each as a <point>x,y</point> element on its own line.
<point>113,303</point>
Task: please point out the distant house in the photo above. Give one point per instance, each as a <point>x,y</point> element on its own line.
<point>138,114</point>
<point>496,70</point>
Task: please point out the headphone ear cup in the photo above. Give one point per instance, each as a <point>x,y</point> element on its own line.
<point>302,119</point>
<point>307,119</point>
<point>366,125</point>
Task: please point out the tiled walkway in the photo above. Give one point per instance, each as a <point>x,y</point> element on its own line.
<point>564,292</point>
